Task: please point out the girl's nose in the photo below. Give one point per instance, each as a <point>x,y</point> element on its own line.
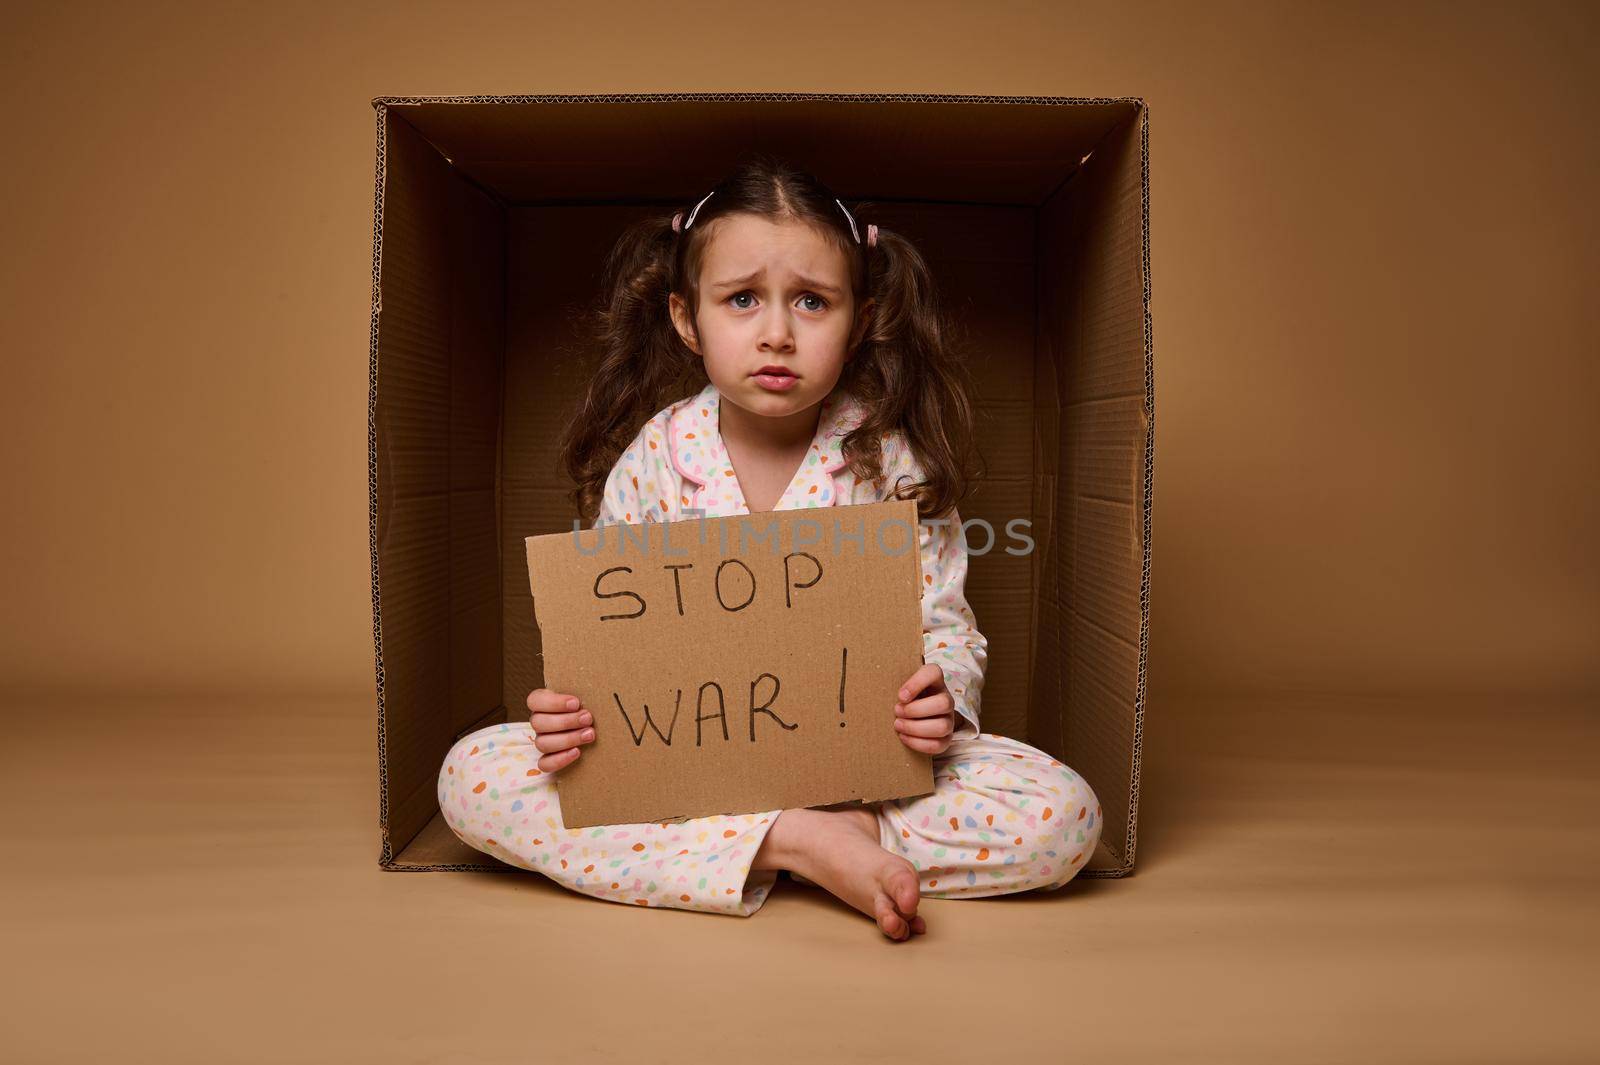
<point>776,331</point>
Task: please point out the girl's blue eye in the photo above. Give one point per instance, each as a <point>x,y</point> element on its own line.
<point>808,295</point>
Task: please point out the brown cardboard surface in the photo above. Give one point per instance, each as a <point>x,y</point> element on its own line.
<point>734,664</point>
<point>1038,234</point>
<point>1014,149</point>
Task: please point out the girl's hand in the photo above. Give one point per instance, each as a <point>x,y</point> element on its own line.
<point>559,726</point>
<point>925,716</point>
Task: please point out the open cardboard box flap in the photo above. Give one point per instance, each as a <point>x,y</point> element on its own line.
<point>492,215</point>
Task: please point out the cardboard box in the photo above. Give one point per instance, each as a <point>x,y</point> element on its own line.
<point>491,217</point>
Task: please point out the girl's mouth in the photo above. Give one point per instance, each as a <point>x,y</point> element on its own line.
<point>775,378</point>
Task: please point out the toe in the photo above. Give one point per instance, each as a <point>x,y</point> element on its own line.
<point>906,892</point>
<point>918,926</point>
<point>894,926</point>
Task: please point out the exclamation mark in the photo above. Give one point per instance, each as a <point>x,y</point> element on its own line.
<point>843,660</point>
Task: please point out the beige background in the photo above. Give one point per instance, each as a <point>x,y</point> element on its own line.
<point>1367,822</point>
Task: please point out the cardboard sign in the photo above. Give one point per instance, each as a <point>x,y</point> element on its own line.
<point>734,664</point>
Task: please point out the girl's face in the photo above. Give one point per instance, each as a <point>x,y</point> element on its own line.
<point>776,317</point>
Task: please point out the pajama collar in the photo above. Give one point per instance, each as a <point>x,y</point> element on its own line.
<point>695,445</point>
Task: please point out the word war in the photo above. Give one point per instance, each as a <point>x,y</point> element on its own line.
<point>754,709</point>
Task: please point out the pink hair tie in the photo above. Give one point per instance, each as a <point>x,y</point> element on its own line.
<point>872,236</point>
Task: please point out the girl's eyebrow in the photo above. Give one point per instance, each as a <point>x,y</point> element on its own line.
<point>808,282</point>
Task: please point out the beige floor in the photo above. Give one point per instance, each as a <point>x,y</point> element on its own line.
<point>1318,880</point>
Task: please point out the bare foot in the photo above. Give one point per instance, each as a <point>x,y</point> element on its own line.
<point>838,849</point>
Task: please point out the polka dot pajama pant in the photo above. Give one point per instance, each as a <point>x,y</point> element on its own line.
<point>1003,817</point>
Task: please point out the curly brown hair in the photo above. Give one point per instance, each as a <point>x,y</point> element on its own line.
<point>905,371</point>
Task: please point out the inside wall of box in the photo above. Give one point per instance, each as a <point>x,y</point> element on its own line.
<point>492,222</point>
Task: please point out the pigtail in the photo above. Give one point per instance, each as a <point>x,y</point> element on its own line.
<point>909,376</point>
<point>642,359</point>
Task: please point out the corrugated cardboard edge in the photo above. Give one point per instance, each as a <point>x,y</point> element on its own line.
<point>386,854</point>
<point>381,104</point>
<point>1148,495</point>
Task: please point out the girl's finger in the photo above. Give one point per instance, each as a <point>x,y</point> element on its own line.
<point>545,701</point>
<point>561,722</point>
<point>929,706</point>
<point>551,762</point>
<point>931,727</point>
<point>925,746</point>
<point>552,742</point>
<point>920,681</point>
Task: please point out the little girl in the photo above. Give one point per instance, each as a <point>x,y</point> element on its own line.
<point>823,379</point>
